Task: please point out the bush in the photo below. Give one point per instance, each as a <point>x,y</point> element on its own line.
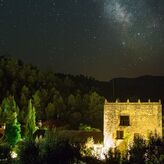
<point>5,151</point>
<point>113,156</point>
<point>29,153</point>
<point>155,150</point>
<point>54,149</point>
<point>137,151</point>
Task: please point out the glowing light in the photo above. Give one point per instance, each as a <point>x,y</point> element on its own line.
<point>100,151</point>
<point>108,142</point>
<point>97,151</point>
<point>14,154</point>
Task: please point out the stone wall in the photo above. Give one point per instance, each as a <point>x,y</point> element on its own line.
<point>144,118</point>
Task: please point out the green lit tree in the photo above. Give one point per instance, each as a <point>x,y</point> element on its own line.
<point>8,107</point>
<point>8,114</point>
<point>30,126</point>
<point>13,130</point>
<point>37,104</point>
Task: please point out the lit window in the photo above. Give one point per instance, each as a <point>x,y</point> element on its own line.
<point>124,121</point>
<point>120,134</point>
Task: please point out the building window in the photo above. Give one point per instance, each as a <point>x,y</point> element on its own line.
<point>120,134</point>
<point>124,121</point>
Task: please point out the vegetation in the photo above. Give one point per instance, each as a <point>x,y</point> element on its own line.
<point>54,148</point>
<point>5,151</point>
<point>30,126</point>
<point>51,149</point>
<point>141,152</point>
<point>69,99</point>
<point>13,132</point>
<point>71,102</point>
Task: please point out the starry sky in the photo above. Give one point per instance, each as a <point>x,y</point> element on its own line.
<point>99,38</point>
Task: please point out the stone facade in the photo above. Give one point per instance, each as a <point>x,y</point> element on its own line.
<point>125,120</point>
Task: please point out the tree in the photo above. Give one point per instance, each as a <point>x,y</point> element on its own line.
<point>155,149</point>
<point>29,153</point>
<point>37,104</point>
<point>137,151</point>
<point>8,106</point>
<point>50,111</point>
<point>13,131</point>
<point>55,109</point>
<point>25,91</point>
<point>113,156</point>
<point>88,149</point>
<point>8,114</point>
<point>30,126</point>
<point>95,110</point>
<point>71,102</point>
<point>55,149</point>
<point>23,100</point>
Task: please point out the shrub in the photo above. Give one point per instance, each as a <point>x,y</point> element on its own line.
<point>5,151</point>
<point>137,151</point>
<point>113,156</point>
<point>58,150</point>
<point>28,153</point>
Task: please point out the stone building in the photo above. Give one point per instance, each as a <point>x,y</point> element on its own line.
<point>125,120</point>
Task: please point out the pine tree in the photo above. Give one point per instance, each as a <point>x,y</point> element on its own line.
<point>30,126</point>
<point>8,107</point>
<point>13,130</point>
<point>9,112</point>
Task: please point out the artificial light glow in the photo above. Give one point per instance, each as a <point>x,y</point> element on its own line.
<point>99,151</point>
<point>14,154</point>
<point>108,142</point>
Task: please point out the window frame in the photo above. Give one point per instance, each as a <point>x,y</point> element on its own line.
<point>119,134</point>
<point>124,120</point>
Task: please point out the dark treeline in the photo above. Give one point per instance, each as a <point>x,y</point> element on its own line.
<point>72,100</point>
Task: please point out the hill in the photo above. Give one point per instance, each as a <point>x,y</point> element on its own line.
<point>71,100</point>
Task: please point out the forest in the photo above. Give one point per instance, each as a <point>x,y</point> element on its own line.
<point>69,102</point>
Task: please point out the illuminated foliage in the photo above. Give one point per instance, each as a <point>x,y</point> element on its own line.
<point>88,148</point>
<point>8,114</point>
<point>37,104</point>
<point>30,126</point>
<point>13,131</point>
<point>8,108</point>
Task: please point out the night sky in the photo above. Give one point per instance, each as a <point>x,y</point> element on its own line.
<point>99,38</point>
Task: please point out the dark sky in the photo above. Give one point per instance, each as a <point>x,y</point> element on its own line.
<point>99,38</point>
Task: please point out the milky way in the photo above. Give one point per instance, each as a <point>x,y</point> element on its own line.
<point>103,39</point>
<point>114,10</point>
